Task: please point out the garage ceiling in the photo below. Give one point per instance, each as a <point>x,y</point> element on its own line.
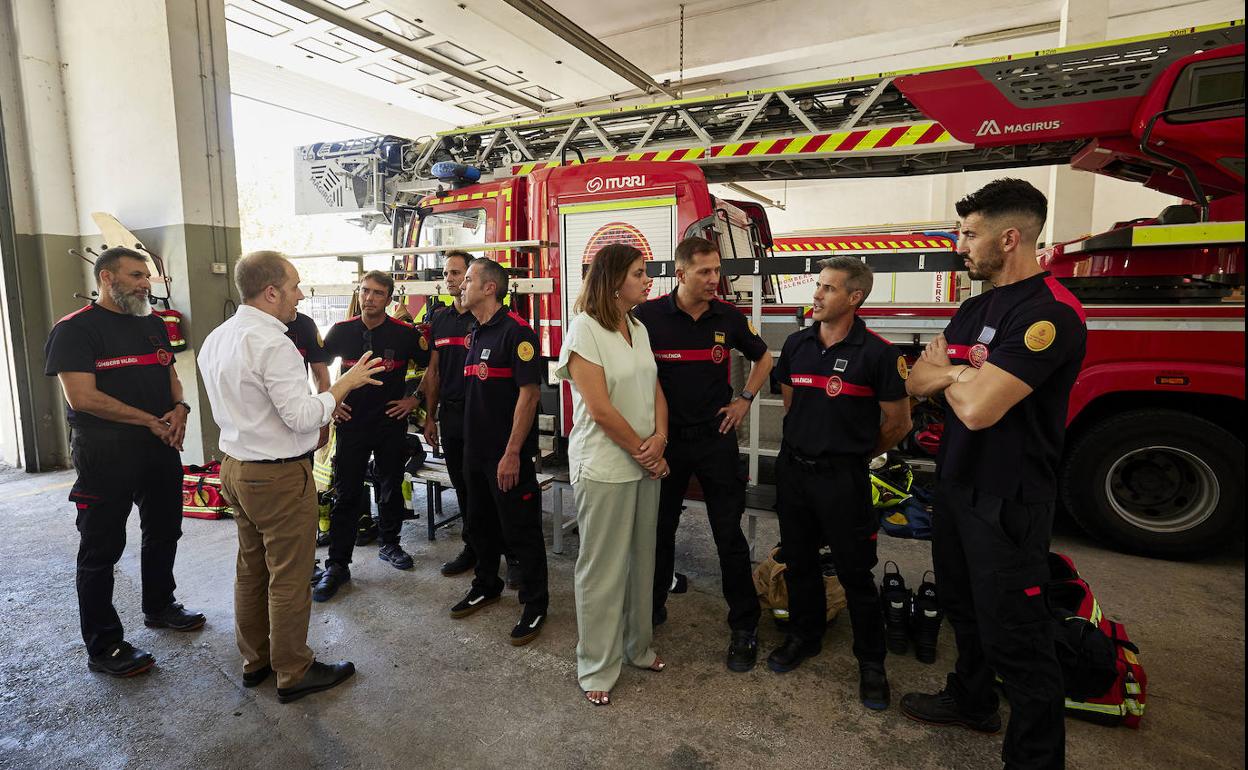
<point>426,65</point>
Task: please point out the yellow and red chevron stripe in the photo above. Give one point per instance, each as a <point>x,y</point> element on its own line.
<point>924,134</point>
<point>864,243</point>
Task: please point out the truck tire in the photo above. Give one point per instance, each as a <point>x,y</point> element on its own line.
<point>1156,482</point>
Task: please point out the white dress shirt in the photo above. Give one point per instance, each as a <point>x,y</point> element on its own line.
<point>258,388</point>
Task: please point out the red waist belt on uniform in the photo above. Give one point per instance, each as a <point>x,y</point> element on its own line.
<point>484,372</point>
<point>832,386</point>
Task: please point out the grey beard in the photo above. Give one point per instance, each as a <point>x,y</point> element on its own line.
<point>129,303</point>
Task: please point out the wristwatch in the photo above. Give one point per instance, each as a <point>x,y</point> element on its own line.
<point>184,404</point>
<point>747,395</point>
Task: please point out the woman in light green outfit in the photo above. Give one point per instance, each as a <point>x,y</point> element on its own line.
<point>615,454</point>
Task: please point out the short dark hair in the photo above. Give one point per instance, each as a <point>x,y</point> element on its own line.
<point>858,276</point>
<point>689,248</point>
<point>1005,196</point>
<point>491,271</point>
<point>109,258</point>
<point>259,270</point>
<point>381,277</point>
<point>461,254</point>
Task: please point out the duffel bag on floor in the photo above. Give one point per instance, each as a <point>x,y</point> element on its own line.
<point>201,492</point>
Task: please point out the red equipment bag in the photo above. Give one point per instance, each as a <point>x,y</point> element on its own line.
<point>201,492</point>
<point>1105,682</point>
<point>173,326</point>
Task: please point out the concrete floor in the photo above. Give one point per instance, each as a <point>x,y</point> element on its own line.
<point>436,692</point>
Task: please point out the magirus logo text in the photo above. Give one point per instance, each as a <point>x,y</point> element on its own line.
<point>992,128</point>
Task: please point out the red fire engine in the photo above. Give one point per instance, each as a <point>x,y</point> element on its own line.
<point>1155,444</point>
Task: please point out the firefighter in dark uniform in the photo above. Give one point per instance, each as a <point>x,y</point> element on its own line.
<point>449,327</point>
<point>371,421</point>
<point>692,332</point>
<point>307,339</point>
<point>128,420</point>
<point>502,371</point>
<point>1005,367</point>
<point>845,402</point>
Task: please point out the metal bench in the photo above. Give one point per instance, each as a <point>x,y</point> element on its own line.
<point>434,476</point>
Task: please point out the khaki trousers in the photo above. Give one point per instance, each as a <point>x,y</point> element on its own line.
<point>275,508</point>
<point>614,578</point>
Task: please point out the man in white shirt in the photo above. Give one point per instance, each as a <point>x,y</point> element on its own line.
<point>270,424</point>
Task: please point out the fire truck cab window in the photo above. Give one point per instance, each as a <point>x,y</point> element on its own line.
<point>1209,83</point>
<point>465,227</point>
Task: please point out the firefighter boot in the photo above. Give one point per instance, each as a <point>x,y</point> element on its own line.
<point>925,619</point>
<point>895,598</point>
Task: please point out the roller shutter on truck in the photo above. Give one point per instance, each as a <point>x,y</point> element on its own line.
<point>648,224</point>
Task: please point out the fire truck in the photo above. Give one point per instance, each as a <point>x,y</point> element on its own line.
<point>1155,442</point>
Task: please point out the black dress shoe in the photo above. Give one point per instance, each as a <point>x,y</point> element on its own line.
<point>174,616</point>
<point>334,578</point>
<point>742,651</point>
<point>790,655</point>
<point>942,709</point>
<point>254,678</point>
<point>121,659</point>
<point>460,564</point>
<point>317,572</point>
<point>320,676</point>
<point>873,686</point>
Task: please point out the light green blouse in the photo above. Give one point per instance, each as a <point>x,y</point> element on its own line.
<point>631,375</point>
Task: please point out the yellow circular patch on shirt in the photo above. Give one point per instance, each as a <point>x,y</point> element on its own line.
<point>1039,336</point>
<point>524,351</point>
<point>902,369</point>
<point>750,324</point>
<point>424,343</point>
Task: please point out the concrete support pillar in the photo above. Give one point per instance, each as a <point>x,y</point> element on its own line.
<point>120,107</point>
<point>1071,192</point>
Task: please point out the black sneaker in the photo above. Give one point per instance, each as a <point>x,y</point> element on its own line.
<point>174,616</point>
<point>895,601</point>
<point>680,583</point>
<point>460,564</point>
<point>367,533</point>
<point>873,686</point>
<point>742,651</point>
<point>528,627</point>
<point>513,574</point>
<point>121,659</point>
<point>474,601</point>
<point>394,553</point>
<point>925,619</point>
<point>334,578</point>
<point>942,709</point>
<point>790,655</point>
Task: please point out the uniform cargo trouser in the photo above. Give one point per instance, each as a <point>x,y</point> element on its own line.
<point>387,444</point>
<point>451,430</point>
<point>715,460</point>
<point>509,522</point>
<point>115,472</point>
<point>830,505</point>
<point>991,561</point>
<point>275,509</point>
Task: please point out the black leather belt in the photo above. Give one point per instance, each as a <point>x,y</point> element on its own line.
<point>818,463</point>
<point>696,431</point>
<point>304,456</point>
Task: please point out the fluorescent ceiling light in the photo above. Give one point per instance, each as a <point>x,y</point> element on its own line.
<point>388,74</point>
<point>419,66</point>
<point>541,94</point>
<point>253,22</point>
<point>504,76</point>
<point>463,84</point>
<point>476,108</point>
<point>433,92</point>
<point>455,53</point>
<point>399,26</point>
<point>359,40</point>
<point>1010,34</point>
<point>325,50</point>
<point>345,4</point>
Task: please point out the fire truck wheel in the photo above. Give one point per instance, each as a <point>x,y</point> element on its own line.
<point>1156,482</point>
